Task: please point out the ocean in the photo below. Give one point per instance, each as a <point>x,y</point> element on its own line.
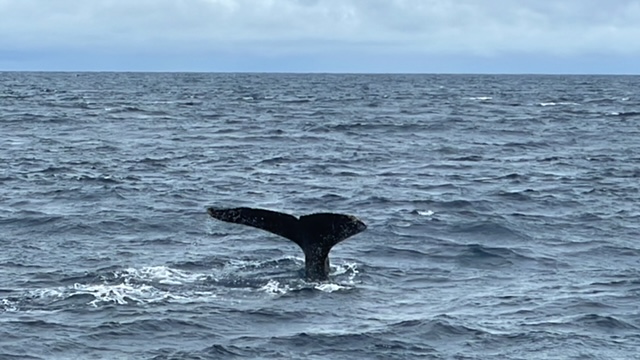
<point>503,216</point>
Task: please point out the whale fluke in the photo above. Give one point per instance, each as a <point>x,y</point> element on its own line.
<point>316,234</point>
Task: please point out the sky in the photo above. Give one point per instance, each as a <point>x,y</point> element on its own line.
<point>352,36</point>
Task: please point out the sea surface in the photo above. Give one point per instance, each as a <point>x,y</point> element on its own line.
<point>503,216</point>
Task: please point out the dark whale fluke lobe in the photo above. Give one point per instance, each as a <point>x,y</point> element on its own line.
<point>316,234</point>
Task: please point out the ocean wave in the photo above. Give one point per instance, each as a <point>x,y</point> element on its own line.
<point>497,228</point>
<point>162,284</point>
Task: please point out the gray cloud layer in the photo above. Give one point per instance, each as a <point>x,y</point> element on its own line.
<point>473,27</point>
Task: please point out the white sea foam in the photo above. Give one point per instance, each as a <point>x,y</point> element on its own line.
<point>143,285</point>
<point>120,294</point>
<point>161,274</point>
<point>8,305</point>
<point>351,268</point>
<point>330,287</point>
<point>123,294</point>
<point>275,288</point>
<point>551,103</point>
<point>128,286</point>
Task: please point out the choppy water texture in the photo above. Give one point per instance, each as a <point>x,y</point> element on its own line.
<point>503,216</point>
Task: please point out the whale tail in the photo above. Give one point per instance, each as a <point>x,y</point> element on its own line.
<point>316,233</point>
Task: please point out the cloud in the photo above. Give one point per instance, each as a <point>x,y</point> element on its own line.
<point>266,28</point>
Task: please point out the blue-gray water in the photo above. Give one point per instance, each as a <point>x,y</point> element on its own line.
<point>503,216</point>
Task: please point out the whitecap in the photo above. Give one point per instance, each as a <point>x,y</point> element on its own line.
<point>275,288</point>
<point>329,287</point>
<point>346,268</point>
<point>565,103</point>
<point>161,274</point>
<point>7,305</point>
<point>121,294</point>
